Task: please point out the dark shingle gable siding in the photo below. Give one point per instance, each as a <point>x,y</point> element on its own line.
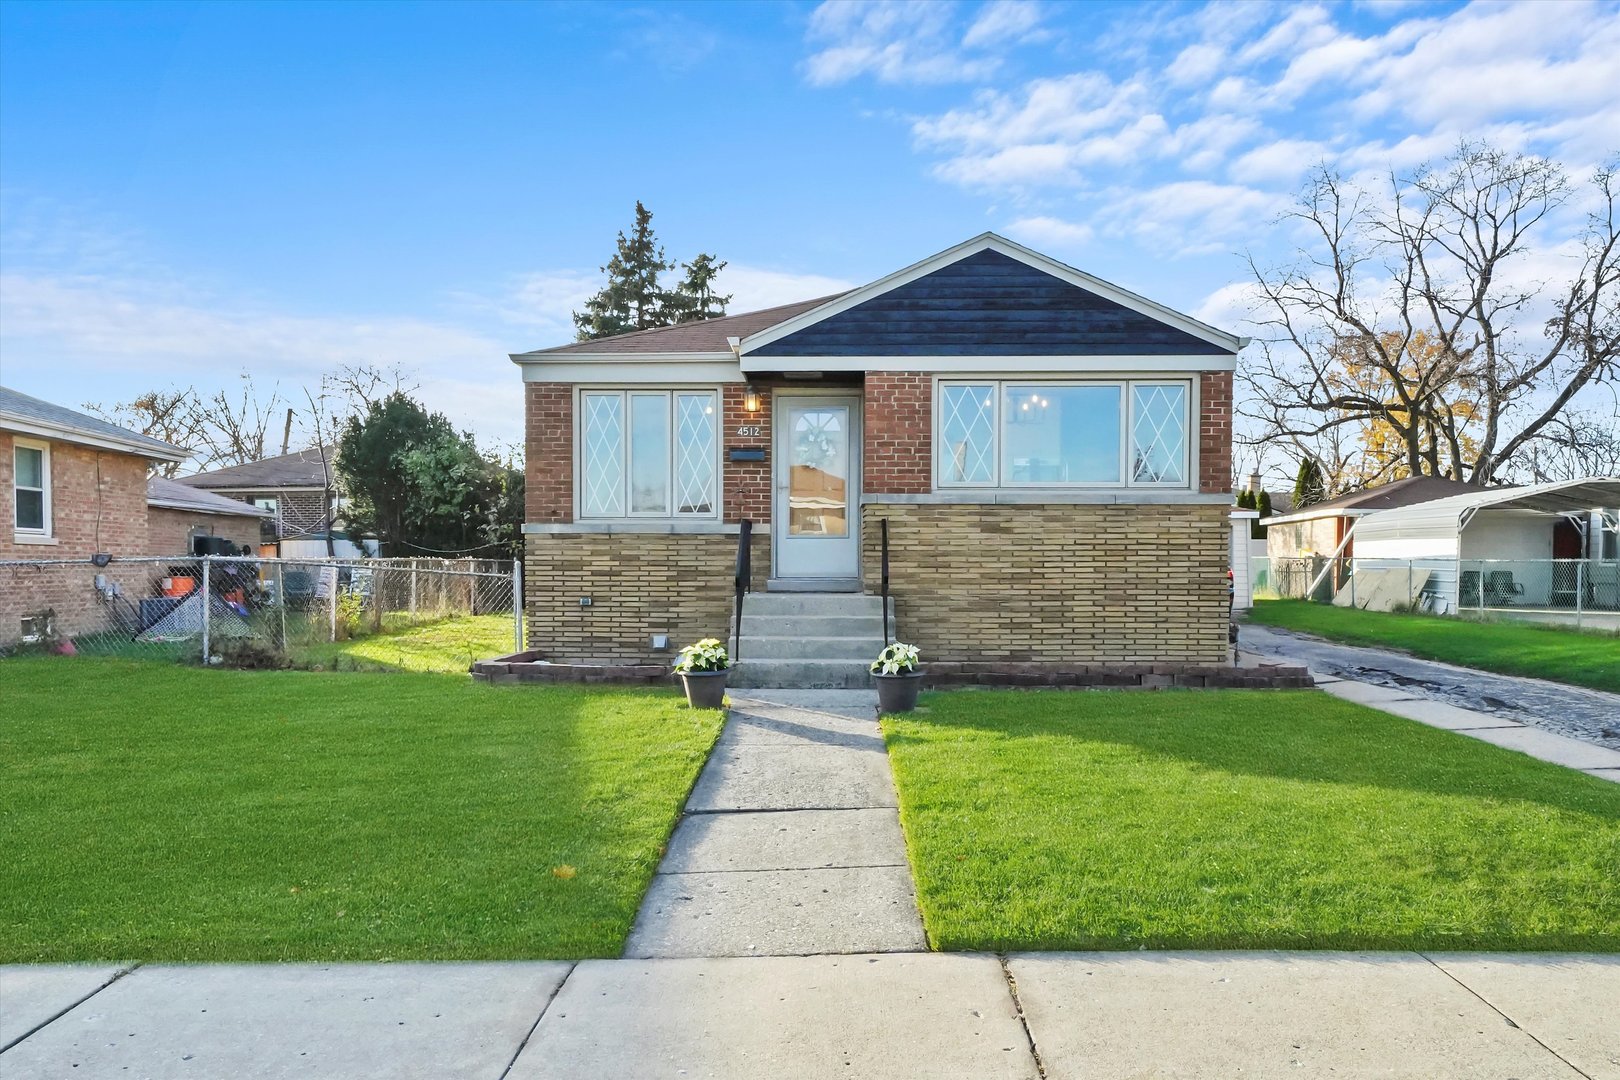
<point>988,304</point>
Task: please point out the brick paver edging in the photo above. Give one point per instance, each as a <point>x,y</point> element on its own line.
<point>1126,676</point>
<point>530,667</point>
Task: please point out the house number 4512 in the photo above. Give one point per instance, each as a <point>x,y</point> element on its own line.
<point>748,431</point>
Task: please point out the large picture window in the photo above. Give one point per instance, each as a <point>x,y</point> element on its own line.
<point>648,453</point>
<point>1045,433</point>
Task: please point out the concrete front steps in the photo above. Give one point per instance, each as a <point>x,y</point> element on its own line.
<point>820,641</point>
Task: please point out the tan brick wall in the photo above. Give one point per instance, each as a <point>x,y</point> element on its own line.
<point>1215,432</point>
<point>548,459</point>
<point>169,531</point>
<point>897,433</point>
<point>1055,582</point>
<point>639,584</point>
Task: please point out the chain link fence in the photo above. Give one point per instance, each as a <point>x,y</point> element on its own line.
<point>1581,592</point>
<point>206,608</point>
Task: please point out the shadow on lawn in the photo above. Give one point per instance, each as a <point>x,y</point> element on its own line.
<point>1302,736</point>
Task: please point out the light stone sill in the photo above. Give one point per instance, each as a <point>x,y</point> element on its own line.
<point>34,539</point>
<point>1110,497</point>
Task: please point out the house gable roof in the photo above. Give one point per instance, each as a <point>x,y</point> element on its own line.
<point>989,296</point>
<point>172,495</point>
<point>28,415</point>
<point>300,469</point>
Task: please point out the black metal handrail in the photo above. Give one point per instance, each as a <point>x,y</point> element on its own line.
<point>884,530</point>
<point>743,582</point>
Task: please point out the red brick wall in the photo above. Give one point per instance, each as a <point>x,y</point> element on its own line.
<point>98,503</point>
<point>897,433</point>
<point>87,515</point>
<point>747,484</point>
<point>1215,432</point>
<point>548,460</point>
<point>169,531</point>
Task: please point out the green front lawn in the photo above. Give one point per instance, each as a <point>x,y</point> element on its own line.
<point>449,645</point>
<point>152,812</point>
<point>1565,655</point>
<point>1242,819</point>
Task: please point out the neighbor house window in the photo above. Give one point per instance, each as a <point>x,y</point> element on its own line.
<point>1043,433</point>
<point>648,453</point>
<point>31,484</point>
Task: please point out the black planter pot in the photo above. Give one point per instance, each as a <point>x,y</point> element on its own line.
<point>897,693</point>
<point>704,689</point>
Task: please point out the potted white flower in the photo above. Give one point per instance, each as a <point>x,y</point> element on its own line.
<point>702,668</point>
<point>898,678</point>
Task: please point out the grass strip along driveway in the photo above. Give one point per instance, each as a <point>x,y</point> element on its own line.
<point>171,813</point>
<point>1242,819</point>
<point>1589,659</point>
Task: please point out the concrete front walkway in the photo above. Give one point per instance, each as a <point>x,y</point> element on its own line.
<point>1566,725</point>
<point>791,842</point>
<point>881,1016</point>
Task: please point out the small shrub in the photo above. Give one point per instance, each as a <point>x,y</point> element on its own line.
<point>706,655</point>
<point>248,654</point>
<point>350,607</point>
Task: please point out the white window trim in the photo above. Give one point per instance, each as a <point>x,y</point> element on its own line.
<point>1186,434</point>
<point>668,393</point>
<point>29,534</point>
<point>1126,384</point>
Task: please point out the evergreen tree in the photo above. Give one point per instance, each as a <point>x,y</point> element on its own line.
<point>1308,487</point>
<point>694,298</point>
<point>1245,500</point>
<point>632,298</point>
<point>1263,504</point>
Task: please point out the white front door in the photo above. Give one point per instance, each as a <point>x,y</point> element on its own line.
<point>818,476</point>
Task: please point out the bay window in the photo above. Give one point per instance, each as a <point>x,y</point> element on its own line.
<point>648,453</point>
<point>1046,433</point>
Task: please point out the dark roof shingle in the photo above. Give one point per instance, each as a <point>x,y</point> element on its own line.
<point>24,409</point>
<point>177,496</point>
<point>300,469</point>
<point>705,336</point>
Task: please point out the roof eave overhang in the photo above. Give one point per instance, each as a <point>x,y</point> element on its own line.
<point>218,511</point>
<point>996,364</point>
<point>988,241</point>
<point>30,426</point>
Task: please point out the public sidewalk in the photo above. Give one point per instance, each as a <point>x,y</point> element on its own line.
<point>1527,715</point>
<point>881,1016</point>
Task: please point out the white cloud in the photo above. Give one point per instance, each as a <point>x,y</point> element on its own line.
<point>1284,160</point>
<point>1190,216</point>
<point>753,287</point>
<point>892,40</point>
<point>1005,21</point>
<point>1047,233</point>
<point>78,338</point>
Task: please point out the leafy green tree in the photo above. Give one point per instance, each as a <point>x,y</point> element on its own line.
<point>424,488</point>
<point>1308,486</point>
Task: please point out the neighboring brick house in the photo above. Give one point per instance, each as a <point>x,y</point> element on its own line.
<point>298,489</point>
<point>73,486</point>
<point>176,515</point>
<point>1051,452</point>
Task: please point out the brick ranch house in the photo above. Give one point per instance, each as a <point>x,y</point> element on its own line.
<point>1051,452</point>
<point>73,486</point>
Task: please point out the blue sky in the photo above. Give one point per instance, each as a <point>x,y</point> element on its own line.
<point>188,191</point>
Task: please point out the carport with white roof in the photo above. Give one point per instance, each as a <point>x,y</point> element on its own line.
<point>1551,547</point>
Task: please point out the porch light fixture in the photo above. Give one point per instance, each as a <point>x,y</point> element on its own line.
<point>751,400</point>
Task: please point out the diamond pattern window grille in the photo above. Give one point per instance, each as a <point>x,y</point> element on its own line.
<point>1159,434</point>
<point>967,450</point>
<point>694,453</point>
<point>602,494</point>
